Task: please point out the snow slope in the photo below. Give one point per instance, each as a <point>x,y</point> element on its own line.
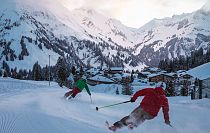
<point>34,107</point>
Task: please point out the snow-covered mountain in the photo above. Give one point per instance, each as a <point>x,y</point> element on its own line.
<point>106,28</point>
<point>30,31</point>
<point>173,37</point>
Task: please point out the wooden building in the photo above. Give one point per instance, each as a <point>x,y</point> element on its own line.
<point>114,70</point>
<point>99,80</point>
<point>160,78</point>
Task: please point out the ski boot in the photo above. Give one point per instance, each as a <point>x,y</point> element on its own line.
<point>113,128</point>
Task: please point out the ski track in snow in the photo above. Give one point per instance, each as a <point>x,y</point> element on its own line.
<point>7,122</point>
<point>34,107</point>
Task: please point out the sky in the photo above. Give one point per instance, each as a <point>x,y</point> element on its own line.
<point>135,13</point>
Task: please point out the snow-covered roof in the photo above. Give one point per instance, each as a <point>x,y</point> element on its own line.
<point>202,72</point>
<point>170,74</point>
<point>92,70</point>
<point>101,78</point>
<point>156,74</point>
<point>117,75</point>
<point>180,71</point>
<point>163,71</point>
<point>154,69</point>
<point>153,75</point>
<point>116,68</point>
<point>126,74</point>
<point>146,73</point>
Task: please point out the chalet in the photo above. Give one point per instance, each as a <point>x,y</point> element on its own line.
<point>160,77</point>
<point>142,75</point>
<point>98,79</point>
<point>92,71</point>
<point>181,71</point>
<point>173,74</point>
<point>114,70</point>
<point>152,69</point>
<point>186,76</point>
<point>117,77</point>
<point>126,78</point>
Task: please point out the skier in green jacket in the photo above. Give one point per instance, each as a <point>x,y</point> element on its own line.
<point>78,87</point>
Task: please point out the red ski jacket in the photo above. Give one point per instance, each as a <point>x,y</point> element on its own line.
<point>154,99</point>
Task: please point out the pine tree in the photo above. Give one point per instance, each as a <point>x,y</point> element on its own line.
<point>61,71</point>
<point>29,76</point>
<point>25,74</point>
<point>73,70</point>
<point>0,73</point>
<point>5,74</point>
<point>127,89</point>
<point>183,91</point>
<point>169,89</point>
<point>200,88</point>
<point>81,72</point>
<point>6,68</point>
<point>46,73</point>
<point>14,73</point>
<point>193,93</point>
<point>20,74</point>
<point>36,72</point>
<point>132,78</point>
<point>117,91</point>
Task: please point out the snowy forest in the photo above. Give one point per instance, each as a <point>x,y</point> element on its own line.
<point>197,58</point>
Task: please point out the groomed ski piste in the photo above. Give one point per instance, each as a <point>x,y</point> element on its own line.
<point>36,107</point>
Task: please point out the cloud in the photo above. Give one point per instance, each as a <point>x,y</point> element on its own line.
<point>207,6</point>
<point>135,13</point>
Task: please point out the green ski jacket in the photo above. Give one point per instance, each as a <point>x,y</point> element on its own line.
<point>81,84</point>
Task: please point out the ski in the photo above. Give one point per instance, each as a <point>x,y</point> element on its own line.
<point>107,124</point>
<point>111,128</point>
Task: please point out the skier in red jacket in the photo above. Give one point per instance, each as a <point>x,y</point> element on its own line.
<point>154,99</point>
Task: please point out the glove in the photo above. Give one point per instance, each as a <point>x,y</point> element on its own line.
<point>132,100</point>
<point>90,94</point>
<point>167,122</point>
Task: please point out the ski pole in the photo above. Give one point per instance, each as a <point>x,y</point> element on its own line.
<point>91,100</point>
<point>97,108</point>
<point>173,128</point>
<point>170,125</point>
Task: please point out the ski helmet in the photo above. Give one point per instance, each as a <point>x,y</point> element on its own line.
<point>83,77</point>
<point>161,84</point>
